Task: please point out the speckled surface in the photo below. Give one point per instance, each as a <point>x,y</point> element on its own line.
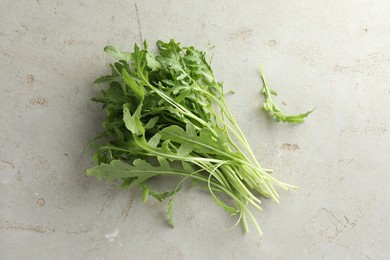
<point>332,55</point>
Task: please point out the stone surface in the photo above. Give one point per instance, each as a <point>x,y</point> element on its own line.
<point>332,55</point>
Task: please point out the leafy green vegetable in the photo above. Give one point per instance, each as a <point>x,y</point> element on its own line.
<point>166,116</point>
<point>271,107</point>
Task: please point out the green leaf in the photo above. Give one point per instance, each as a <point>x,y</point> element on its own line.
<point>273,92</point>
<point>190,130</point>
<point>118,170</point>
<point>170,212</point>
<point>297,119</point>
<point>190,141</point>
<point>155,140</point>
<point>140,171</point>
<point>137,90</point>
<point>276,112</point>
<point>114,52</point>
<point>163,162</point>
<point>133,122</point>
<point>185,149</point>
<point>152,62</point>
<point>108,78</point>
<point>199,67</point>
<point>163,195</point>
<point>187,167</point>
<point>126,183</point>
<point>152,122</point>
<point>145,192</point>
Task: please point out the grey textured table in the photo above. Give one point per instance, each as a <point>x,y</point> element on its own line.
<point>334,55</point>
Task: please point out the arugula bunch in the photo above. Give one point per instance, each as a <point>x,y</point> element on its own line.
<point>166,116</point>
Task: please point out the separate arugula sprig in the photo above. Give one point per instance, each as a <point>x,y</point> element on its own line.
<point>275,111</point>
<point>166,116</point>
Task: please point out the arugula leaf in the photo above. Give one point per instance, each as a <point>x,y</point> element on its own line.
<point>114,52</point>
<point>140,170</point>
<point>133,122</point>
<point>275,111</point>
<point>137,90</point>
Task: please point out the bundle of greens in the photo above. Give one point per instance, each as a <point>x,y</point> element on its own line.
<point>167,116</point>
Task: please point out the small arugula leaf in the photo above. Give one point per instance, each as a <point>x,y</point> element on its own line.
<point>155,140</point>
<point>114,52</point>
<point>152,122</point>
<point>170,212</point>
<point>185,149</point>
<point>190,141</point>
<point>152,62</point>
<point>163,162</point>
<point>137,90</point>
<point>297,119</point>
<point>145,192</point>
<point>276,112</point>
<point>108,78</point>
<point>163,195</point>
<point>196,61</point>
<point>187,167</point>
<point>118,169</point>
<point>126,183</point>
<point>133,122</point>
<point>140,171</point>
